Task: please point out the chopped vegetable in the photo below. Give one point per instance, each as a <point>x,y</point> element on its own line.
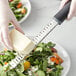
<point>54,50</point>
<point>53,59</point>
<point>19,73</point>
<point>5,63</point>
<point>58,57</point>
<point>40,73</point>
<point>59,67</point>
<point>19,5</point>
<point>10,0</point>
<point>23,10</point>
<point>26,65</point>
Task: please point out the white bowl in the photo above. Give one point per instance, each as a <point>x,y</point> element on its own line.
<point>63,54</point>
<point>26,4</point>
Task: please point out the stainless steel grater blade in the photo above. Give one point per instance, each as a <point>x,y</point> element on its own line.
<point>46,30</point>
<point>57,20</point>
<point>37,39</point>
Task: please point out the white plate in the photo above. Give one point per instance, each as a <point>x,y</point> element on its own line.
<point>63,54</point>
<point>26,4</point>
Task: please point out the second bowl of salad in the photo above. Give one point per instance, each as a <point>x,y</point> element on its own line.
<point>20,8</point>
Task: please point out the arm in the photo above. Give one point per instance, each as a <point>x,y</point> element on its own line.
<point>6,17</point>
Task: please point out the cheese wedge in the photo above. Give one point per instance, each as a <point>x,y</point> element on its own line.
<point>21,43</point>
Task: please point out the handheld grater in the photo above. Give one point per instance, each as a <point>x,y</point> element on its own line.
<point>56,20</point>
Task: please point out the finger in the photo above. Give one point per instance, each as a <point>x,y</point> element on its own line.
<point>17,26</point>
<point>63,2</point>
<point>72,9</point>
<point>15,23</point>
<point>2,41</point>
<point>5,37</point>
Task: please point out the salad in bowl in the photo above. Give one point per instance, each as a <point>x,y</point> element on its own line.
<point>42,61</point>
<point>20,8</point>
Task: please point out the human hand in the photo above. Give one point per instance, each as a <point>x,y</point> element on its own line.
<point>6,17</point>
<point>72,11</point>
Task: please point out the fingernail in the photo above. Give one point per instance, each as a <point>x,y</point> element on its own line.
<point>22,31</point>
<point>68,18</point>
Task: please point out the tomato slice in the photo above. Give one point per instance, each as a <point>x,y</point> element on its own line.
<point>55,60</point>
<point>19,5</point>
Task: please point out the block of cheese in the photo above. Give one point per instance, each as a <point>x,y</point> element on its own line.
<point>21,43</point>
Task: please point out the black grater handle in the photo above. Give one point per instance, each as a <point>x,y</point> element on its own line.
<point>62,14</point>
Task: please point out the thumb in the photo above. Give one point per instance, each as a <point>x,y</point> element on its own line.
<point>17,26</point>
<point>72,9</point>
